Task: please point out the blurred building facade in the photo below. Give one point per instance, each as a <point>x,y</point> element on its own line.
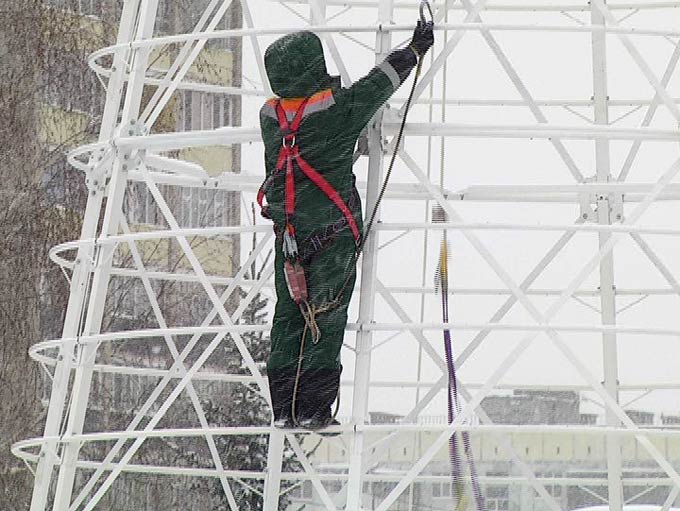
<point>552,457</point>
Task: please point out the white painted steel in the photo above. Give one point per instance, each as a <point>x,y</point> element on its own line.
<point>605,213</point>
<point>126,152</point>
<point>369,260</point>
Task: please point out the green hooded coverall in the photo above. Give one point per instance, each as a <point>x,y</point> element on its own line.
<point>333,119</point>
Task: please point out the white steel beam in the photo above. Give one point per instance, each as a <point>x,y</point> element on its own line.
<point>512,74</point>
<point>649,115</point>
<point>369,262</point>
<point>103,257</point>
<point>272,480</point>
<point>317,13</point>
<point>450,45</point>
<point>81,276</point>
<point>165,82</point>
<point>542,319</point>
<point>466,26</point>
<point>187,59</point>
<point>505,7</point>
<point>605,204</point>
<point>254,41</point>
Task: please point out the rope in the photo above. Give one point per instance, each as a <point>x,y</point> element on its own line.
<point>335,301</point>
<point>310,311</point>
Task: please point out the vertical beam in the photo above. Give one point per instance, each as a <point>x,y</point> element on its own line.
<point>607,289</point>
<point>256,48</point>
<point>317,15</point>
<point>102,266</point>
<point>368,282</point>
<point>81,274</point>
<point>272,481</point>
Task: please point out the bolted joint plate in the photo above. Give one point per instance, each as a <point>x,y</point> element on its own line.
<point>589,203</point>
<point>103,160</point>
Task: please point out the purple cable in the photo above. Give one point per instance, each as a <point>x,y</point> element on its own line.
<point>453,409</point>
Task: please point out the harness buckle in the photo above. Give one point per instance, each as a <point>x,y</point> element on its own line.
<point>290,139</point>
<point>290,248</point>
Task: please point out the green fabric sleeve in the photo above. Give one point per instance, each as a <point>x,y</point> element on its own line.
<point>364,98</point>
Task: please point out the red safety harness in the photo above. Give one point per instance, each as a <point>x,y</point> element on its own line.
<point>289,153</point>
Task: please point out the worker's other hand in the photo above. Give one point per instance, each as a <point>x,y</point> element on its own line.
<point>423,37</point>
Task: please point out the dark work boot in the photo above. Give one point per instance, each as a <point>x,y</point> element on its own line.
<point>317,393</point>
<point>281,383</point>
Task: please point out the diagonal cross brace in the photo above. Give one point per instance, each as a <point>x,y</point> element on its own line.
<point>541,319</point>
<point>250,363</point>
<point>649,115</point>
<point>172,347</point>
<point>418,335</point>
<point>640,61</point>
<point>439,61</point>
<point>149,116</point>
<point>526,95</point>
<point>141,414</point>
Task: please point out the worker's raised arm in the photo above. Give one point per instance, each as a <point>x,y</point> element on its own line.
<point>368,94</point>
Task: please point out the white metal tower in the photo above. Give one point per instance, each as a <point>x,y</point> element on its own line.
<point>506,308</point>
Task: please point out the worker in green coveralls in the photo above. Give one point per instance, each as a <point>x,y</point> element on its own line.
<point>309,131</point>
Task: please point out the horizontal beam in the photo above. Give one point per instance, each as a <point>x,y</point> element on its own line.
<point>377,476</point>
<point>151,333</point>
<point>499,7</point>
<point>524,131</point>
<point>565,194</point>
<point>211,376</point>
<point>210,232</point>
<point>325,29</point>
<point>545,429</point>
<point>240,135</point>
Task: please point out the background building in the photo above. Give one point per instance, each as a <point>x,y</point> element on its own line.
<point>554,458</point>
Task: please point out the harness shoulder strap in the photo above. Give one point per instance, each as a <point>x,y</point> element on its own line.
<point>290,151</point>
<point>288,129</point>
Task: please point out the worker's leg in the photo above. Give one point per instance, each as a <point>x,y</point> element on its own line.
<point>287,327</point>
<point>320,376</point>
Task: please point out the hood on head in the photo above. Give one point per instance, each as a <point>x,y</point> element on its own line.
<point>296,66</point>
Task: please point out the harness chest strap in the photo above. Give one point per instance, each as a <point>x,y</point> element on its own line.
<point>290,152</point>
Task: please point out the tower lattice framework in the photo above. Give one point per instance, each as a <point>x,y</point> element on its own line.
<point>593,142</point>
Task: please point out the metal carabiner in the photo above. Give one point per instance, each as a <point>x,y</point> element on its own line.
<point>423,5</point>
<point>291,141</point>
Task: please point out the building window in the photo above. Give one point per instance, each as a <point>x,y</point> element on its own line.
<point>497,496</point>
<point>554,489</point>
<point>204,111</point>
<point>303,491</point>
<point>192,207</point>
<point>87,7</point>
<point>221,111</point>
<point>441,490</point>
